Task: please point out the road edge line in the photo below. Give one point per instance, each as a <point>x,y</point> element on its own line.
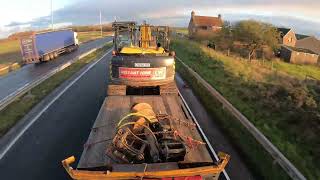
<point>203,134</point>
<point>30,123</point>
<point>4,102</point>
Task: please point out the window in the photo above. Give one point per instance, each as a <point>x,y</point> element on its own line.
<point>290,39</point>
<point>204,27</point>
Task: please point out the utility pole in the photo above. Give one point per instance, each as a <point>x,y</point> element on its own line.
<point>52,15</point>
<point>100,25</point>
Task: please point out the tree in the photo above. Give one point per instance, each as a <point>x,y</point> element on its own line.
<point>255,35</point>
<point>224,38</point>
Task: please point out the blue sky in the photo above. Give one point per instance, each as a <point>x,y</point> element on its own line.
<point>19,15</point>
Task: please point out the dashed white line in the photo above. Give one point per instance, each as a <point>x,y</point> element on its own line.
<point>47,106</point>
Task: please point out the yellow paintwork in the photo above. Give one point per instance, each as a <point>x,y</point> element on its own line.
<point>145,34</point>
<point>138,50</point>
<point>213,170</point>
<point>147,43</point>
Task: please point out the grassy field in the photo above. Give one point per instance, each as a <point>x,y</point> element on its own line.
<point>9,52</point>
<point>181,30</point>
<point>19,108</point>
<point>10,49</point>
<point>276,100</point>
<point>87,36</point>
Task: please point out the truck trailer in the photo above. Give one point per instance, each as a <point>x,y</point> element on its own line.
<point>145,130</point>
<point>169,146</point>
<point>46,46</point>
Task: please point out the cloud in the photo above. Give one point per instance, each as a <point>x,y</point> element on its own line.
<point>291,13</point>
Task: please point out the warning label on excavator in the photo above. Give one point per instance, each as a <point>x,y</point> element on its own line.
<point>142,73</point>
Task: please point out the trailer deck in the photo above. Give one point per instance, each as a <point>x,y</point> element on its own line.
<point>95,164</point>
<point>115,107</point>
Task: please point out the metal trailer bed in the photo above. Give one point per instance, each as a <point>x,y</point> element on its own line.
<point>198,160</point>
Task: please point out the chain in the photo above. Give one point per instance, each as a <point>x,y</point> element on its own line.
<point>168,118</point>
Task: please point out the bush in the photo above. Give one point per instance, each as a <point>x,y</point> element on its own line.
<point>275,100</point>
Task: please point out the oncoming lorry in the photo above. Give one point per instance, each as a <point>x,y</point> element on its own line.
<point>144,129</point>
<point>46,46</point>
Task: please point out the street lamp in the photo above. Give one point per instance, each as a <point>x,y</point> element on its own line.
<point>52,15</point>
<point>100,25</point>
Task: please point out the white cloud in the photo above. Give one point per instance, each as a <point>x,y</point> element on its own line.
<point>177,12</point>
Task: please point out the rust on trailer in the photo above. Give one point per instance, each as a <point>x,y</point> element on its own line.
<point>213,170</point>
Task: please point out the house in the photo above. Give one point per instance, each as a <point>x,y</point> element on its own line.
<point>299,48</point>
<point>204,25</point>
<point>298,55</point>
<point>310,43</point>
<point>287,37</point>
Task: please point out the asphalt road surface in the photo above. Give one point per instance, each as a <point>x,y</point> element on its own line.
<point>18,79</point>
<point>62,130</point>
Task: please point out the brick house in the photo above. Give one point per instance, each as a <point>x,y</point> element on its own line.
<point>204,25</point>
<point>298,48</point>
<point>310,43</point>
<point>296,55</point>
<point>287,37</point>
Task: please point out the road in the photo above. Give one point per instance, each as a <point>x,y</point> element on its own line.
<point>20,78</point>
<point>60,132</point>
<point>63,128</point>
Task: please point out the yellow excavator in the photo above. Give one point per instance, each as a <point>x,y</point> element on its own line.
<point>149,134</point>
<point>141,58</point>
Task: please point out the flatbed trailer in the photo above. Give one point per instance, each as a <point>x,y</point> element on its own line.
<point>199,162</point>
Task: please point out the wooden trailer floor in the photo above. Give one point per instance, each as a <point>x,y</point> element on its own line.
<point>114,108</point>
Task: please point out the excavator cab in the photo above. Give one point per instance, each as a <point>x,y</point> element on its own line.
<point>141,58</point>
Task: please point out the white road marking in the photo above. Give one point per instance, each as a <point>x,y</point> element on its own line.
<point>15,92</point>
<point>203,134</point>
<point>47,106</point>
<point>59,68</point>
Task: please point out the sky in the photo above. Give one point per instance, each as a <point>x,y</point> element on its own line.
<point>20,15</point>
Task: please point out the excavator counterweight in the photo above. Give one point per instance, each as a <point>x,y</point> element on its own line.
<point>141,57</point>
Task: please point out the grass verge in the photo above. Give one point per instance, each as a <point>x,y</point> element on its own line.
<point>92,35</point>
<point>282,106</point>
<point>19,108</point>
<point>9,52</point>
<point>259,161</point>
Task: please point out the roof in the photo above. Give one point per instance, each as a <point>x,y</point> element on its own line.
<point>207,21</point>
<point>283,31</point>
<point>311,43</point>
<point>303,50</point>
<point>301,36</point>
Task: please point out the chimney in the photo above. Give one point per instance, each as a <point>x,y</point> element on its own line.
<point>193,14</point>
<point>219,16</point>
